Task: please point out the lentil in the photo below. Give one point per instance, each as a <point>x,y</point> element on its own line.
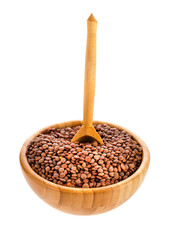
<point>87,164</point>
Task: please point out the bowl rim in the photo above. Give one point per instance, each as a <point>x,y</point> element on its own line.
<point>32,174</point>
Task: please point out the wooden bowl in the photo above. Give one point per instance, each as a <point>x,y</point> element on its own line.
<point>79,200</point>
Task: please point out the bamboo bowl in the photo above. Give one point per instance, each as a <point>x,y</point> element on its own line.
<point>79,200</point>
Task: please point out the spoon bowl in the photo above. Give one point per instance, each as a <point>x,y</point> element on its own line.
<point>84,201</point>
<point>87,134</point>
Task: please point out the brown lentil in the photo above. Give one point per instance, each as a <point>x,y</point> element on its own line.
<point>87,164</point>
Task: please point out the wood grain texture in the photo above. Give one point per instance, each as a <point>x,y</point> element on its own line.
<point>88,131</point>
<point>84,201</point>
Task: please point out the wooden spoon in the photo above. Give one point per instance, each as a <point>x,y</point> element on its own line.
<point>87,132</point>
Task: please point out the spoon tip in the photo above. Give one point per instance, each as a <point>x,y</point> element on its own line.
<point>92,18</point>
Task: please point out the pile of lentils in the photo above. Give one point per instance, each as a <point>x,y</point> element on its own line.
<point>54,157</point>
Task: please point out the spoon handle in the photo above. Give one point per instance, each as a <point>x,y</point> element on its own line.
<point>90,71</point>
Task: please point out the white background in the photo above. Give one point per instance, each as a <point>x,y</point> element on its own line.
<point>42,54</point>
